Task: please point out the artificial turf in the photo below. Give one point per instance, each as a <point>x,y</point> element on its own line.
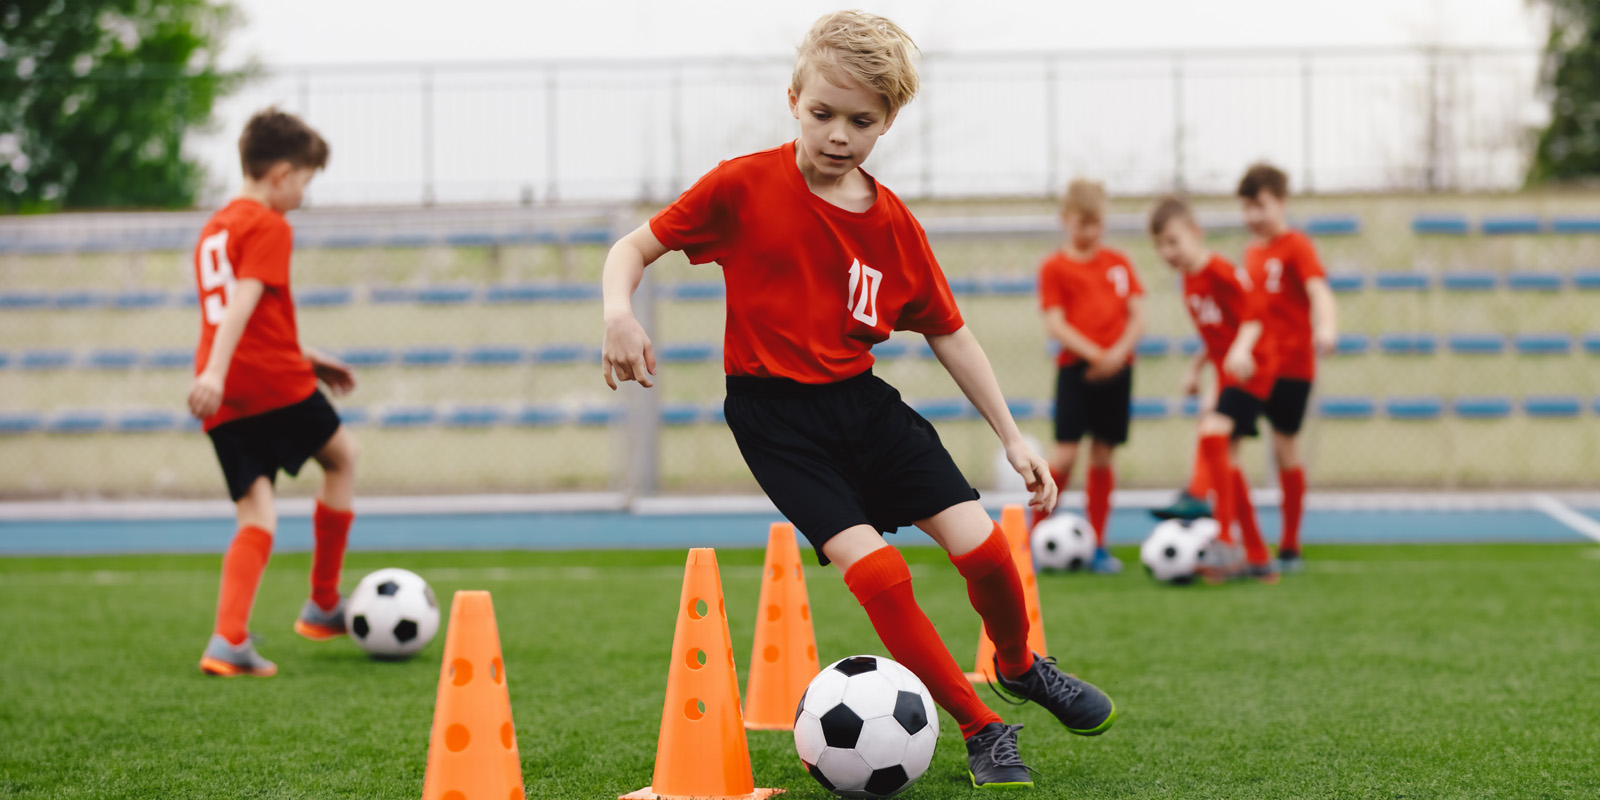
<point>1447,671</point>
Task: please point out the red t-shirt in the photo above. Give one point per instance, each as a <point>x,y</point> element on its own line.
<point>1092,294</point>
<point>811,286</point>
<point>1281,267</point>
<point>248,240</point>
<point>1220,298</point>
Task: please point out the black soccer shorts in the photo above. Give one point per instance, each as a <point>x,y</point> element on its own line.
<point>1243,408</point>
<point>280,439</point>
<point>1100,409</point>
<point>1286,406</point>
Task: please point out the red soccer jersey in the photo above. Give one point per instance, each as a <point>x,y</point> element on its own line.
<point>811,286</point>
<point>1092,294</point>
<point>1281,267</point>
<point>248,240</point>
<point>1220,298</point>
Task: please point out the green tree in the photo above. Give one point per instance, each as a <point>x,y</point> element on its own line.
<point>1569,148</point>
<point>97,95</point>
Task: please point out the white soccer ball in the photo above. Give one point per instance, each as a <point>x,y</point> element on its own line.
<point>392,613</point>
<point>1063,541</point>
<point>866,727</point>
<point>1176,548</point>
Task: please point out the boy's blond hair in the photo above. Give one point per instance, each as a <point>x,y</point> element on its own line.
<point>1085,198</point>
<point>868,48</point>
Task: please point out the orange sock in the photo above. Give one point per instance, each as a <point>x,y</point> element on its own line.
<point>881,582</point>
<point>332,530</point>
<point>1255,549</point>
<point>1293,482</point>
<point>995,589</point>
<point>1200,483</point>
<point>1098,502</point>
<point>1214,449</point>
<point>242,566</point>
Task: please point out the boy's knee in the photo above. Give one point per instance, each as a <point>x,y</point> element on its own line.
<point>341,453</point>
<point>1214,424</point>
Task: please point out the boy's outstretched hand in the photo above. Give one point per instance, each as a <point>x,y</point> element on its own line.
<point>626,354</point>
<point>340,378</point>
<point>1035,472</point>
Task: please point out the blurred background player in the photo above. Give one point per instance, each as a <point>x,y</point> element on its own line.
<point>1093,306</point>
<point>1228,312</point>
<point>255,389</point>
<point>1301,322</point>
<point>821,262</point>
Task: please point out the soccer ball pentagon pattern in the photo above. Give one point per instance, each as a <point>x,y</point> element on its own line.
<point>392,613</point>
<point>866,727</point>
<point>1063,541</point>
<point>1177,548</point>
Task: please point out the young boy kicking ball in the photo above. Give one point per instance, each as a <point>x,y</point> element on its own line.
<point>822,262</point>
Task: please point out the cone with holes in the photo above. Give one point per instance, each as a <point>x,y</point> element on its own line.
<point>1013,521</point>
<point>784,658</point>
<point>472,752</point>
<point>702,752</point>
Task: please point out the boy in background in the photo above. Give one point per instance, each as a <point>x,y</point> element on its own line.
<point>255,389</point>
<point>1093,306</point>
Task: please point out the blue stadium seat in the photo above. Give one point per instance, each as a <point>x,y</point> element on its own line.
<point>542,292</point>
<point>14,423</point>
<point>15,300</point>
<point>1543,344</point>
<point>541,416</point>
<point>1332,225</point>
<point>45,359</point>
<point>1013,286</point>
<point>391,295</point>
<point>1022,408</point>
<point>1534,282</point>
<point>601,415</point>
<point>87,421</point>
<point>367,356</point>
<point>494,356</point>
<point>1570,225</point>
<point>1440,225</point>
<point>1347,407</point>
<point>407,417</point>
<point>5,359</point>
<point>1407,344</point>
<point>565,354</point>
<point>172,358</point>
<point>964,285</point>
<point>1552,407</point>
<point>1346,281</point>
<point>696,290</point>
<point>1401,281</point>
<point>1413,408</point>
<point>543,236</point>
<point>920,348</point>
<point>354,417</point>
<point>472,239</point>
<point>716,414</point>
<point>141,298</point>
<point>1353,344</point>
<point>147,421</point>
<point>343,241</point>
<point>1482,407</point>
<point>587,235</point>
<point>680,414</point>
<point>1189,345</point>
<point>80,299</point>
<point>513,293</point>
<point>689,353</point>
<point>1463,281</point>
<point>1591,343</point>
<point>427,356</point>
<point>1586,279</point>
<point>1477,343</point>
<point>186,298</point>
<point>408,240</point>
<point>113,359</point>
<point>1519,224</point>
<point>1149,408</point>
<point>1189,406</point>
<point>1153,346</point>
<point>892,348</point>
<point>476,416</point>
<point>936,410</point>
<point>446,295</point>
<point>323,297</point>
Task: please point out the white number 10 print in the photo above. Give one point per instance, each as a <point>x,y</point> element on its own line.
<point>216,272</point>
<point>867,279</point>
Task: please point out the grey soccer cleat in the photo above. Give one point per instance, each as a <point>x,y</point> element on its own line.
<point>1291,562</point>
<point>228,660</point>
<point>993,761</point>
<point>318,625</point>
<point>1079,704</point>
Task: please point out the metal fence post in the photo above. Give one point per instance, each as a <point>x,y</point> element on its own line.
<point>427,136</point>
<point>1177,123</point>
<point>1431,156</point>
<point>1052,127</point>
<point>552,131</point>
<point>1306,112</point>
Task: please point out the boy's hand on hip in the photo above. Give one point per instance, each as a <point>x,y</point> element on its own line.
<point>205,395</point>
<point>340,378</point>
<point>626,354</point>
<point>1035,472</point>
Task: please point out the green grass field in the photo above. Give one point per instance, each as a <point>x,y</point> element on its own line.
<point>1383,672</point>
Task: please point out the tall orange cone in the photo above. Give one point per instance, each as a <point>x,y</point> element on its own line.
<point>1013,521</point>
<point>472,752</point>
<point>702,753</point>
<point>784,658</point>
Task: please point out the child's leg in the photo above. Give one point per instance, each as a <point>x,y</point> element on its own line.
<point>879,578</point>
<point>245,561</point>
<point>1062,462</point>
<point>982,555</point>
<point>1292,478</point>
<point>331,521</point>
<point>1215,432</point>
<point>1200,475</point>
<point>1098,488</point>
<point>1255,549</point>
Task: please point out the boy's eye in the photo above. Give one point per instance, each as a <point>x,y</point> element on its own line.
<point>862,123</point>
<point>819,115</point>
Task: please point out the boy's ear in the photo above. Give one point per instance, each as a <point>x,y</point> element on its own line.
<point>794,102</point>
<point>277,172</point>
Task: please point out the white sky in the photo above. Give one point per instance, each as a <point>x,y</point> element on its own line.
<point>294,32</point>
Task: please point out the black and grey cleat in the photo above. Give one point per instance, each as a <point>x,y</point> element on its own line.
<point>1080,705</point>
<point>993,761</point>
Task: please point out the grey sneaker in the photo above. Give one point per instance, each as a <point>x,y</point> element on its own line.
<point>1290,562</point>
<point>318,625</point>
<point>1221,562</point>
<point>227,660</point>
<point>1080,705</point>
<point>993,761</point>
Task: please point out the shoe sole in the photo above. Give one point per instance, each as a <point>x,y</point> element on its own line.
<point>1111,719</point>
<point>212,666</point>
<point>317,633</point>
<point>1013,785</point>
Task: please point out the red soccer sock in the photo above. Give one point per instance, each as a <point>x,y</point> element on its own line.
<point>1061,479</point>
<point>1255,549</point>
<point>242,566</point>
<point>1200,483</point>
<point>995,589</point>
<point>331,527</point>
<point>1214,450</point>
<point>1098,504</point>
<point>1293,482</point>
<point>881,583</point>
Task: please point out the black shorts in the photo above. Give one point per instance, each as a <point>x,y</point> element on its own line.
<point>1100,409</point>
<point>280,439</point>
<point>1243,408</point>
<point>836,455</point>
<point>1286,406</point>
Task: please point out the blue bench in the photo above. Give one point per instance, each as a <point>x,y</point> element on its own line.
<point>45,359</point>
<point>446,295</point>
<point>1440,225</point>
<point>494,356</point>
<point>1510,225</point>
<point>113,359</point>
<point>1591,343</point>
<point>324,297</point>
<point>541,416</point>
<point>80,299</point>
<point>1407,344</point>
<point>1552,407</point>
<point>1413,408</point>
<point>601,415</point>
<point>1025,409</point>
<point>1190,345</point>
<point>1401,281</point>
<point>87,421</point>
<point>1477,343</point>
<point>147,421</point>
<point>1574,225</point>
<point>1353,344</point>
<point>16,423</point>
<point>1346,281</point>
<point>696,291</point>
<point>565,354</point>
<point>354,416</point>
<point>408,240</point>
<point>1463,281</point>
<point>1347,407</point>
<point>141,299</point>
<point>1149,408</point>
<point>1012,286</point>
<point>892,348</point>
<point>172,358</point>
<point>407,417</point>
<point>472,239</point>
<point>17,300</point>
<point>1332,225</point>
<point>936,410</point>
<point>1534,282</point>
<point>475,416</point>
<point>1586,279</point>
<point>427,356</point>
<point>367,356</point>
<point>1482,407</point>
<point>1189,406</point>
<point>689,353</point>
<point>680,414</point>
<point>1543,344</point>
<point>1153,347</point>
<point>391,295</point>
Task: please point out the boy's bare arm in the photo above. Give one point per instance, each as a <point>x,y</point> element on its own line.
<point>205,393</point>
<point>1072,340</point>
<point>1324,316</point>
<point>626,353</point>
<point>964,359</point>
<point>330,370</point>
<point>1191,374</point>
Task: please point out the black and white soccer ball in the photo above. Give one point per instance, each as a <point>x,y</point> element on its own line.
<point>1176,549</point>
<point>392,613</point>
<point>1063,542</point>
<point>866,727</point>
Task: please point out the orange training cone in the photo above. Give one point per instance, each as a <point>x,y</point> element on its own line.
<point>702,753</point>
<point>784,658</point>
<point>472,752</point>
<point>1014,522</point>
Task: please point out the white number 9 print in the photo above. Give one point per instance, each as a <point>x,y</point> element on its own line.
<point>216,272</point>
